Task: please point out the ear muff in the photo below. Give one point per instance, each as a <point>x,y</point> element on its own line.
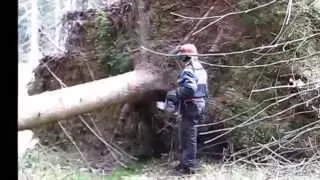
<point>183,58</point>
<point>186,58</point>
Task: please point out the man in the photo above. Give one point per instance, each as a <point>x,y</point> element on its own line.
<point>189,97</point>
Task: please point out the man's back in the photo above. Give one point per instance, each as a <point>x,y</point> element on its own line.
<point>194,76</point>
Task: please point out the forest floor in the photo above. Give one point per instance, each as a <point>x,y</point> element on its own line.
<point>51,163</point>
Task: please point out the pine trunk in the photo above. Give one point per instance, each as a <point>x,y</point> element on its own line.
<point>67,102</point>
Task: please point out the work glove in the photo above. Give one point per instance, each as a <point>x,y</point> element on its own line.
<point>171,101</point>
<point>170,107</point>
<point>172,96</point>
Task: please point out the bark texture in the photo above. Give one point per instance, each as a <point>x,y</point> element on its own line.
<point>65,103</point>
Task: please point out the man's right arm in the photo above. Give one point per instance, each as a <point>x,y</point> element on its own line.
<point>187,85</point>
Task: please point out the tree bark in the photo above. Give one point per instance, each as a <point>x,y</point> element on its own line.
<point>68,102</point>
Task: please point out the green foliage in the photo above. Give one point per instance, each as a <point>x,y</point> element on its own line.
<point>120,173</point>
<point>116,63</point>
<point>104,32</point>
<point>133,169</point>
<point>113,59</point>
<point>298,122</point>
<point>247,136</point>
<point>266,24</point>
<point>52,163</point>
<point>269,15</point>
<point>252,135</point>
<point>263,133</point>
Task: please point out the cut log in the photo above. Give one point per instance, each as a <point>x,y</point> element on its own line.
<point>65,103</point>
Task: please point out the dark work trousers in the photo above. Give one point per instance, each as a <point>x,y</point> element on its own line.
<point>192,112</point>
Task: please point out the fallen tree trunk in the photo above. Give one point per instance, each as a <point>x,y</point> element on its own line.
<point>65,103</point>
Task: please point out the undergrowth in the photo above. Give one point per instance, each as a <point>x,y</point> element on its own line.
<point>54,164</point>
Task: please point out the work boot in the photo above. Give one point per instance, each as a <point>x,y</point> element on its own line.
<point>184,169</point>
<point>179,167</point>
<point>189,170</point>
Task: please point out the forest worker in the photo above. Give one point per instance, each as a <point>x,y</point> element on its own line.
<point>189,98</point>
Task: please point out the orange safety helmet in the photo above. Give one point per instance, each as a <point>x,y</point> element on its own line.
<point>188,49</point>
<point>185,51</point>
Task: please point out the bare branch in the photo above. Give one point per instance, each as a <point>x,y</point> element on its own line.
<point>273,152</point>
<point>253,108</point>
<point>197,25</point>
<point>228,119</point>
<point>63,85</point>
<point>225,15</point>
<point>74,143</point>
<point>303,132</point>
<point>276,39</point>
<point>60,124</point>
<point>304,58</point>
<point>270,54</point>
<point>229,14</point>
<point>234,52</point>
<point>247,122</point>
<point>94,124</point>
<point>249,155</point>
<point>281,112</point>
<point>285,86</point>
<point>103,141</point>
<point>90,71</point>
<point>51,41</point>
<point>289,11</point>
<point>294,114</point>
<point>289,133</point>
